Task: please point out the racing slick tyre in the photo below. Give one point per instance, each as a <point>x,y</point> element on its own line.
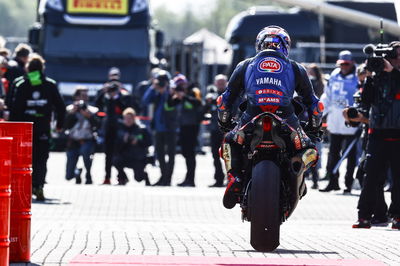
<point>265,208</point>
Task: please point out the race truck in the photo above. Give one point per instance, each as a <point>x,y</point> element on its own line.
<point>82,39</point>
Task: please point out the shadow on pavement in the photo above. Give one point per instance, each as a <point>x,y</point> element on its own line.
<point>348,195</point>
<point>290,251</point>
<point>49,201</point>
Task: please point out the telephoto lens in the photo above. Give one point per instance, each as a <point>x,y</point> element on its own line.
<point>352,112</point>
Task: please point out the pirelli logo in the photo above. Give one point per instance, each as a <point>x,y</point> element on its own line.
<point>114,7</point>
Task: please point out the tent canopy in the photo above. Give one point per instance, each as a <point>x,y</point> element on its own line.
<point>215,49</point>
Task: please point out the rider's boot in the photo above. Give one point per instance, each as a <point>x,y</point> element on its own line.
<point>232,192</point>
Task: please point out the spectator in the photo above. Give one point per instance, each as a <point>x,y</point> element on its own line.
<point>3,111</point>
<point>5,52</point>
<point>36,98</point>
<point>190,118</point>
<point>111,100</point>
<point>216,136</point>
<point>316,77</point>
<point>317,80</point>
<point>339,94</point>
<point>81,125</point>
<point>164,124</point>
<point>16,68</point>
<point>131,145</point>
<point>3,80</point>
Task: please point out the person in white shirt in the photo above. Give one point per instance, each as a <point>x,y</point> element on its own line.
<point>338,95</point>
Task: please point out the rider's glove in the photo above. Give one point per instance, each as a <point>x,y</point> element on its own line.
<point>316,115</point>
<point>313,127</point>
<point>314,133</point>
<point>226,126</point>
<point>224,117</point>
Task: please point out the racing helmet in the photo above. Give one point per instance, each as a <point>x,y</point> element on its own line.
<point>273,37</point>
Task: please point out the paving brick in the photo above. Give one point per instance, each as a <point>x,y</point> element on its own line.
<point>174,221</point>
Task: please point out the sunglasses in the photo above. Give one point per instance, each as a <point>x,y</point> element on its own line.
<point>345,64</point>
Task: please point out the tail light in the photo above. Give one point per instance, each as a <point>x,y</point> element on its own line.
<point>267,124</point>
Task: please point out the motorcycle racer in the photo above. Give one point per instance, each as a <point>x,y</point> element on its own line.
<point>267,81</point>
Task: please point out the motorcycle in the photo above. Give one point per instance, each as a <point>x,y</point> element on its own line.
<point>274,163</point>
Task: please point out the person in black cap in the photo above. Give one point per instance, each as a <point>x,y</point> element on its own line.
<point>112,100</point>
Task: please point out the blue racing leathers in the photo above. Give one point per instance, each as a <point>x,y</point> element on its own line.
<point>268,82</point>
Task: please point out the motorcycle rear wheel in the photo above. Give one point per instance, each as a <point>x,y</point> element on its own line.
<point>264,206</point>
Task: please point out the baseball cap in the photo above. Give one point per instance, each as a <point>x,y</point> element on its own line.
<point>345,57</point>
<point>163,75</point>
<point>180,79</point>
<point>114,71</point>
<point>154,72</point>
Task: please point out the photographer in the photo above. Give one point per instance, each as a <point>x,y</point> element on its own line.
<point>164,124</point>
<point>131,145</point>
<point>352,112</point>
<point>188,101</point>
<point>111,100</point>
<point>379,217</point>
<point>382,93</point>
<point>216,136</point>
<point>81,125</point>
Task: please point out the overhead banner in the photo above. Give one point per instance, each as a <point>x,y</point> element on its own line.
<point>114,7</point>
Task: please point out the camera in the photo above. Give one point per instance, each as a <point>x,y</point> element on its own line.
<point>162,78</point>
<point>353,111</point>
<point>377,54</point>
<point>161,81</point>
<point>81,105</point>
<point>212,97</point>
<point>112,87</point>
<point>179,88</point>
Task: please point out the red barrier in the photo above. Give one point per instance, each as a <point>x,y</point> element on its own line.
<point>5,199</point>
<point>21,187</point>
